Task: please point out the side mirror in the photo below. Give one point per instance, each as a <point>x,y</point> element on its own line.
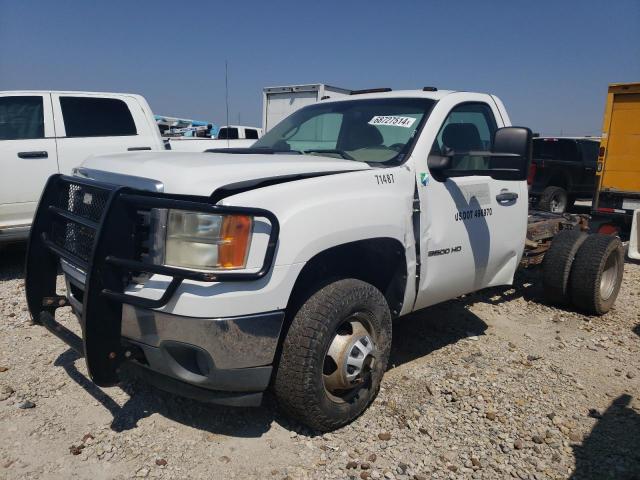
<point>517,140</point>
<point>511,153</point>
<point>509,158</point>
<point>438,163</point>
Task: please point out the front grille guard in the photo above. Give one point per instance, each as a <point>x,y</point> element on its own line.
<point>101,241</point>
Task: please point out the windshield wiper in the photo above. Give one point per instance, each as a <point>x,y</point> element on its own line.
<point>342,153</point>
<point>247,150</point>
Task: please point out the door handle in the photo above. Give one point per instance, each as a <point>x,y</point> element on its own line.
<point>40,154</point>
<point>136,149</point>
<point>505,197</point>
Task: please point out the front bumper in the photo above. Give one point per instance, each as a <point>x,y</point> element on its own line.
<point>228,354</point>
<point>93,232</point>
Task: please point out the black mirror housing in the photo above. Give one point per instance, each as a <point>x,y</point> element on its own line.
<point>516,140</point>
<point>512,150</point>
<point>439,165</point>
<point>437,162</point>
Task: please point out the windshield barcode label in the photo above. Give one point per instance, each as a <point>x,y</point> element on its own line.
<point>392,120</point>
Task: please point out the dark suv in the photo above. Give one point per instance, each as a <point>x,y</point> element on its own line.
<point>563,169</point>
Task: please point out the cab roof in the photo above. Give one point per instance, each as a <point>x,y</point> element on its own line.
<point>66,92</point>
<point>433,95</point>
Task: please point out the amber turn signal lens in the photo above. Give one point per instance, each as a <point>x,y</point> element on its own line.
<point>235,235</point>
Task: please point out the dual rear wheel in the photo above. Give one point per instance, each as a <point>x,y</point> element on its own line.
<point>583,270</point>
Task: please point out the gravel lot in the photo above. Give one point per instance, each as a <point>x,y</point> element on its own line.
<point>495,385</point>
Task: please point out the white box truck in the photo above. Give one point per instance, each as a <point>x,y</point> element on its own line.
<point>280,102</point>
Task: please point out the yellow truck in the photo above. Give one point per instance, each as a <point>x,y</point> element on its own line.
<point>616,206</point>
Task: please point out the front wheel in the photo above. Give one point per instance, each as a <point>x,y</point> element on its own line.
<point>334,355</point>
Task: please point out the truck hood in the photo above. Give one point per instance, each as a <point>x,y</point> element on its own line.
<point>203,173</point>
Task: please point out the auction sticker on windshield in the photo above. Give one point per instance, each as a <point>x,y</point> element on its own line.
<point>392,120</point>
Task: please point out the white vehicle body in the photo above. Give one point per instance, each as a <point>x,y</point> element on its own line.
<point>280,102</point>
<point>56,142</point>
<point>415,235</point>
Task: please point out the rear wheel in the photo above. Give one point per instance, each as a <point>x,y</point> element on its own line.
<point>596,275</point>
<point>556,265</point>
<point>554,199</point>
<point>334,355</point>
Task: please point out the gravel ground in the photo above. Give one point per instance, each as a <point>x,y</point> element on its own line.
<point>495,385</point>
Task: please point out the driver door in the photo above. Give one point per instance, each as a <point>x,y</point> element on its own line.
<point>28,155</point>
<point>470,237</point>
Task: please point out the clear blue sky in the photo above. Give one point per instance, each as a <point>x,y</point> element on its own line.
<point>549,61</point>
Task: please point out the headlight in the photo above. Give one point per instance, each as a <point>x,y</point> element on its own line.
<point>205,241</point>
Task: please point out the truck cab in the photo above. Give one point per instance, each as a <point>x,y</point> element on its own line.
<point>219,275</point>
<point>239,132</point>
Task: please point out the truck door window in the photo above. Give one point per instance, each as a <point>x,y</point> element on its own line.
<point>589,151</point>
<point>21,118</point>
<point>468,127</point>
<point>96,117</point>
<point>250,133</point>
<point>228,133</point>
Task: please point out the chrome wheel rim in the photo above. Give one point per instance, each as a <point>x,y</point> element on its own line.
<point>609,276</point>
<point>349,359</point>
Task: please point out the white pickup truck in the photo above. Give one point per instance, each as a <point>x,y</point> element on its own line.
<point>282,266</point>
<point>231,136</point>
<point>46,132</point>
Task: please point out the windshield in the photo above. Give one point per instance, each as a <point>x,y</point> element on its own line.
<point>372,131</point>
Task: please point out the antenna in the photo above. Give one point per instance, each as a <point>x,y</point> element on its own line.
<point>226,88</point>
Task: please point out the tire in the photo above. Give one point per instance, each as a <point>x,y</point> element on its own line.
<point>596,274</point>
<point>306,374</point>
<point>556,265</point>
<point>554,199</point>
